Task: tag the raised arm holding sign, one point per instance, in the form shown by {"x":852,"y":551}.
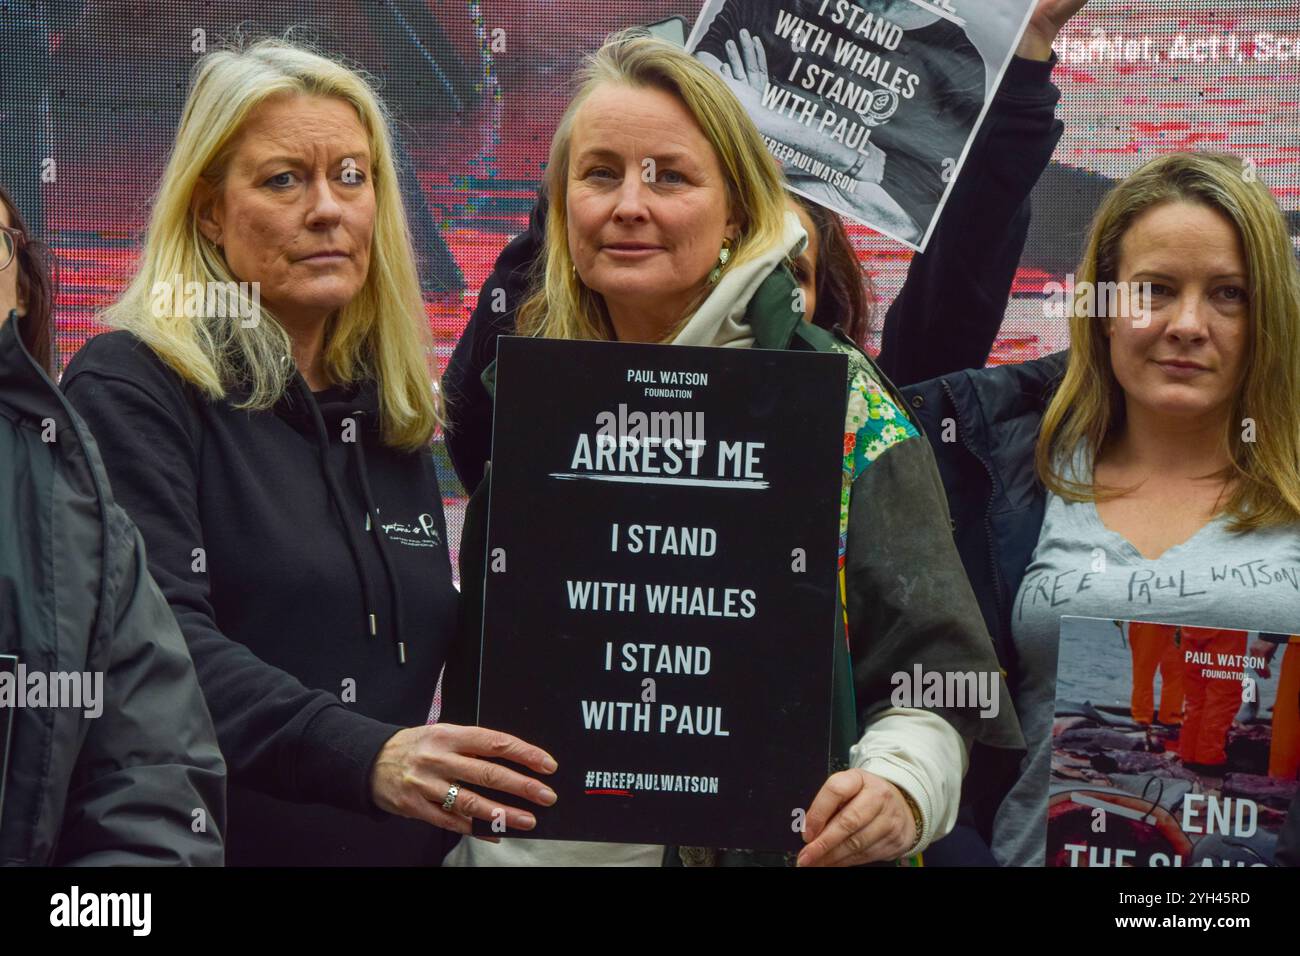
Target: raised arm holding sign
{"x":870,"y":106}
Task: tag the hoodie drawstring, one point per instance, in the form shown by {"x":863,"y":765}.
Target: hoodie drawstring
{"x":323,"y":447}
{"x":372,"y":512}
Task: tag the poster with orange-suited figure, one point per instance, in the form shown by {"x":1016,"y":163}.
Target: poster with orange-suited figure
{"x":1172,"y":745}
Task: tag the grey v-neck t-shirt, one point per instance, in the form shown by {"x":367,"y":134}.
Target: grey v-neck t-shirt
{"x":1216,"y":578}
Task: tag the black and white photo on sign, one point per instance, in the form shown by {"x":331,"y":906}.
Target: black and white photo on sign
{"x":869,"y":105}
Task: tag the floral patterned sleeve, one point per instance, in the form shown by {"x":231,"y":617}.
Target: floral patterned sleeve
{"x":906,"y":596}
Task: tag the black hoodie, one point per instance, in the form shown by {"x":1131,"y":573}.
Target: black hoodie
{"x":307,"y":564}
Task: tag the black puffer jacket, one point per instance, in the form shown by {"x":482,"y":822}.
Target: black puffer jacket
{"x":983,"y":425}
{"x":123,"y":787}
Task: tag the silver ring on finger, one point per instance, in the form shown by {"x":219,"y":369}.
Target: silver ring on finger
{"x":449,"y":800}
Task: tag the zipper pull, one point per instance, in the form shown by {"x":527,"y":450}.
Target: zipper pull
{"x":372,"y":625}
{"x":401,"y":652}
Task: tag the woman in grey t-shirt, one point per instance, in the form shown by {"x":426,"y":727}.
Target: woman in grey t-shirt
{"x":1163,"y":446}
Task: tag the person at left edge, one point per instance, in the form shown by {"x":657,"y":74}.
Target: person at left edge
{"x":134,"y":776}
{"x":265,"y":413}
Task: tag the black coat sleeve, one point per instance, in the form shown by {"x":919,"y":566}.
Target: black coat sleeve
{"x":277,"y":735}
{"x":950,"y":308}
{"x":469,"y":406}
{"x":149,"y":786}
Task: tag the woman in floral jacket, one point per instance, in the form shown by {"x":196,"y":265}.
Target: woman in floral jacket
{"x":626,"y":260}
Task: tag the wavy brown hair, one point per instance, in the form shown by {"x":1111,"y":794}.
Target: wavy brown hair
{"x":844,"y":288}
{"x":33,"y":260}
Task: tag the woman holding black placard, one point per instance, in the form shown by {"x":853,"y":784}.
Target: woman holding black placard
{"x":695,"y":255}
{"x":945,"y":317}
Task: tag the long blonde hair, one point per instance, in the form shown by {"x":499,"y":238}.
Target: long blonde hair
{"x":1089,"y":403}
{"x":381,"y":333}
{"x":562,"y":307}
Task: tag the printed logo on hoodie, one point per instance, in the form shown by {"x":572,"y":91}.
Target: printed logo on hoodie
{"x":423,"y":533}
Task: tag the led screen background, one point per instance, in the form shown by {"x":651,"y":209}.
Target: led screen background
{"x":92,"y":93}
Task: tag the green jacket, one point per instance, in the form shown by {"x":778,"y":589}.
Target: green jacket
{"x":907,"y":597}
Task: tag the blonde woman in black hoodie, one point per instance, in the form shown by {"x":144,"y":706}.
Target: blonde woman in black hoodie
{"x":265,"y":414}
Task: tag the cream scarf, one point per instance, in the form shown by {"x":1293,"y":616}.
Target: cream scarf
{"x":720,"y":320}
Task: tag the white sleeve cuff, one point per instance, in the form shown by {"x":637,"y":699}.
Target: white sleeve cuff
{"x":922,"y":754}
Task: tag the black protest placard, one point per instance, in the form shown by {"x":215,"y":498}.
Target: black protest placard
{"x":659,"y":602}
{"x":870,"y":106}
